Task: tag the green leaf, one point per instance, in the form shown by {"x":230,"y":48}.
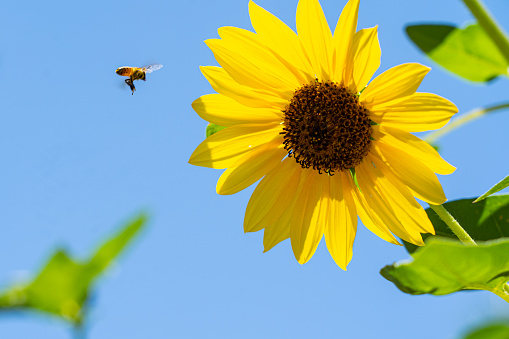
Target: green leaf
{"x":494,"y":331}
{"x":468,"y":52}
{"x":112,"y":247}
{"x":485,"y":220}
{"x":429,"y":37}
{"x":213,"y":128}
{"x":445,"y":266}
{"x":63,"y":285}
{"x":497,"y":188}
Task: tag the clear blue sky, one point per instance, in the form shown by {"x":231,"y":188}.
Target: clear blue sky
{"x":81,"y":155}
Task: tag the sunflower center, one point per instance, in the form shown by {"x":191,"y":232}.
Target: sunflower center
{"x":326,"y":128}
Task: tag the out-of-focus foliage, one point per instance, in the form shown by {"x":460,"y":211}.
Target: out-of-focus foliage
{"x":63,"y":285}
{"x":494,"y":331}
{"x":497,"y":188}
{"x":483,"y":221}
{"x":445,"y":266}
{"x":468,"y":52}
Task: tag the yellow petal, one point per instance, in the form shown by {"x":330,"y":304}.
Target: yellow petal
{"x":245,"y":72}
{"x":363,"y":59}
{"x":396,"y":82}
{"x":408,"y":211}
{"x":251,"y":47}
{"x":223,"y":84}
{"x":272,"y":196}
{"x":278,"y":231}
{"x":224,"y":111}
{"x":223,"y":148}
{"x":345,"y":29}
{"x":281,"y":40}
{"x":368,"y":217}
{"x":373,"y":187}
{"x":342,"y":224}
{"x":415,"y":113}
{"x":316,"y":37}
{"x":251,"y":167}
{"x":311,"y":212}
{"x":413,"y":146}
{"x":413,"y":173}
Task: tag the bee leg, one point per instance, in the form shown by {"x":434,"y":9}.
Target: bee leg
{"x":130,"y":83}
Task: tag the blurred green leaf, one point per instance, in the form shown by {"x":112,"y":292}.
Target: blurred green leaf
{"x":494,"y":331}
{"x":213,"y":128}
{"x":428,"y":37}
{"x":445,"y":266}
{"x":63,"y":285}
{"x":468,"y":52}
{"x":497,"y":188}
{"x":485,"y":220}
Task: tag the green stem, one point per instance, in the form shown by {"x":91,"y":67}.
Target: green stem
{"x":467,"y":117}
{"x":489,"y":24}
{"x":454,"y":225}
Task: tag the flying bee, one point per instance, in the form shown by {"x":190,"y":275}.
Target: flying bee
{"x":136,"y":73}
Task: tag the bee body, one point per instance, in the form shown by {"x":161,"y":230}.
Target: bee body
{"x":136,"y":73}
{"x":139,"y":74}
{"x":125,"y":71}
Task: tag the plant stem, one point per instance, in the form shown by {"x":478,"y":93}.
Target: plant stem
{"x":467,"y":117}
{"x":454,"y":225}
{"x":489,"y":24}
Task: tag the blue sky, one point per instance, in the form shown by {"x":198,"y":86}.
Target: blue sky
{"x":81,"y":156}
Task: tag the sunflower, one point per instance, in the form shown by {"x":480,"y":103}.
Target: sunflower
{"x":328,"y":147}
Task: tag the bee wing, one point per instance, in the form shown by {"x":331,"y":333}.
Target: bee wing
{"x":151,"y":68}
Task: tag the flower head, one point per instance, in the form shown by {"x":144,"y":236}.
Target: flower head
{"x":328,"y":146}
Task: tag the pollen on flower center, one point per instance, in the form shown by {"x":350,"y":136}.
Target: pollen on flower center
{"x":326,"y":128}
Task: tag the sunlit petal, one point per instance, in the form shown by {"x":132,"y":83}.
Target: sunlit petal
{"x":372,"y":185}
{"x":224,"y":111}
{"x":251,"y":167}
{"x":413,"y":146}
{"x":414,"y":113}
{"x":343,"y":34}
{"x":369,"y":216}
{"x":272,"y":196}
{"x":244,"y":72}
{"x":281,"y":40}
{"x":316,"y":37}
{"x":279,"y":230}
{"x":397,"y":82}
{"x":409,"y":211}
{"x":225,"y":147}
{"x":311,"y":212}
{"x":342,"y":222}
{"x":223,"y":84}
{"x":363,"y":59}
{"x":413,"y":173}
